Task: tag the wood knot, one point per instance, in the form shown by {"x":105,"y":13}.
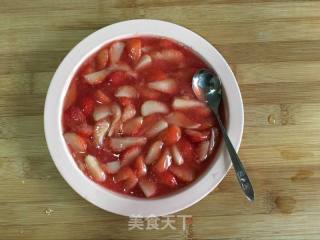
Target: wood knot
{"x":285,"y":204}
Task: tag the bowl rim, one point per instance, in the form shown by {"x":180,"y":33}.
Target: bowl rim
{"x":119,"y":203}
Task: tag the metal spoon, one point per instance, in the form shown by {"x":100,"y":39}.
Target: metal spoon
{"x":207,"y":87}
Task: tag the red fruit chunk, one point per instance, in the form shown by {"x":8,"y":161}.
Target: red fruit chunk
{"x":87,"y":105}
{"x":102,"y":97}
{"x":134,"y":49}
{"x":150,"y":93}
{"x":171,"y":135}
{"x":148,"y":187}
{"x":123,"y":174}
{"x":140,"y":167}
{"x":196,"y":136}
{"x":167,"y":179}
{"x":129,"y":155}
{"x":117,"y":78}
{"x":84,"y":130}
{"x":102,"y":59}
{"x":186,"y":149}
{"x":74,"y":117}
{"x":163,"y":163}
{"x":184,"y":173}
{"x":125,"y":101}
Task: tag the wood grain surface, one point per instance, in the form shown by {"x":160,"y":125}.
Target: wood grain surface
{"x":273,"y":47}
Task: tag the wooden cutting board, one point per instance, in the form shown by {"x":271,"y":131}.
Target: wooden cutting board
{"x":273,"y":47}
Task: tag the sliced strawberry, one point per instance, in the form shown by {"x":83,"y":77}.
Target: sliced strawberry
{"x":102,"y":58}
{"x":118,"y":144}
{"x":184,"y":173}
{"x":148,"y":122}
{"x":144,"y":62}
{"x":166,"y":86}
{"x":149,"y":107}
{"x":170,"y":55}
{"x":203,"y":112}
{"x":129,"y":155}
{"x":130,"y":183}
{"x":156,"y":128}
{"x":87,"y":105}
{"x":94,"y":169}
{"x":177,"y":156}
{"x":140,"y":167}
{"x":97,"y":77}
{"x":185,"y":148}
{"x":100,"y":130}
{"x":156,"y":75}
{"x":71,"y":95}
{"x":84,"y":130}
{"x":115,"y":51}
{"x":150,"y":93}
{"x":112,"y":167}
{"x":128,"y":112}
{"x":171,"y":135}
{"x":154,"y":152}
{"x":132,"y":126}
{"x":126,"y":91}
{"x":167,"y":179}
{"x":102,"y":97}
{"x":125,"y":68}
{"x":164,"y":162}
{"x":181,"y":120}
{"x":165,"y":43}
{"x":116,"y":111}
{"x":73,"y":118}
{"x":101,"y":112}
{"x":76,"y":143}
{"x":196,"y":136}
{"x":148,"y":187}
{"x":88,"y":68}
{"x":134,"y":49}
{"x":117,"y":78}
{"x":202,"y":151}
{"x":184,"y":104}
{"x":123,"y":174}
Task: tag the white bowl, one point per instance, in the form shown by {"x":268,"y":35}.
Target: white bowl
{"x":118,"y":203}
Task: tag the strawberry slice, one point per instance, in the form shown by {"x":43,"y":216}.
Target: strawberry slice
{"x":128,"y":112}
{"x":150,"y":93}
{"x":123,"y":174}
{"x":126,"y":91}
{"x":184,"y":173}
{"x":130,"y":183}
{"x":165,"y":43}
{"x":171,"y":135}
{"x":184,"y":104}
{"x":181,"y":120}
{"x":171,"y":55}
{"x":156,"y":128}
{"x":148,"y":122}
{"x":144,"y":62}
{"x":148,"y":187}
{"x":87,"y":105}
{"x":149,"y":107}
{"x":132,"y":126}
{"x":116,"y":50}
{"x":97,"y":77}
{"x":186,"y":149}
{"x":167,"y":179}
{"x":84,"y":130}
{"x":71,"y":95}
{"x":196,"y":136}
{"x":156,"y":74}
{"x":102,"y":58}
{"x":112,"y":167}
{"x":124,"y":101}
{"x":140,"y":167}
{"x":101,"y":112}
{"x":116,"y":111}
{"x":118,"y":144}
{"x":134,"y":49}
{"x":177,"y":156}
{"x":154,"y":152}
{"x":75,"y":142}
{"x":163,"y":163}
{"x":166,"y":86}
{"x":94,"y":169}
{"x":100,"y":130}
{"x":74,"y":117}
{"x":101,"y":97}
{"x":202,"y":151}
{"x":129,"y":155}
{"x":117,"y":78}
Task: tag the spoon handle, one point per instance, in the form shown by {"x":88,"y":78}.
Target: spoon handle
{"x":237,"y":165}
